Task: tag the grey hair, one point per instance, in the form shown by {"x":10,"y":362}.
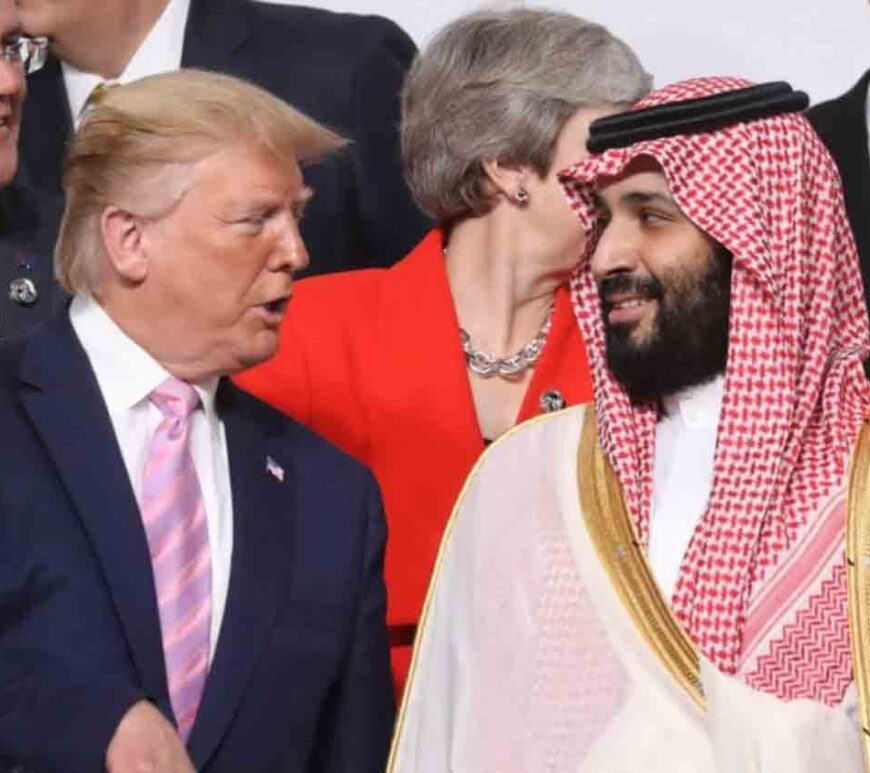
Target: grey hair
{"x":501,"y":85}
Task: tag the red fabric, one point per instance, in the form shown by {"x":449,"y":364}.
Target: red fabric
{"x":372,"y":360}
{"x":795,"y":393}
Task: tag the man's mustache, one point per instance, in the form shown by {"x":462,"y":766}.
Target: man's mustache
{"x":625,"y":283}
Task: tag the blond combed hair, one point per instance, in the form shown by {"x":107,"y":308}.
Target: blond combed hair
{"x":137,"y":144}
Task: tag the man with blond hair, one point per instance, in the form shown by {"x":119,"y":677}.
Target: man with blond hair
{"x":189,"y":580}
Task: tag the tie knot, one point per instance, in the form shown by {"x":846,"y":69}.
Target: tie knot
{"x":175,"y":398}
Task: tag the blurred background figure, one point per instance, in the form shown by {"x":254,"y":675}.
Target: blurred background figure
{"x":344,"y":70}
{"x":843,"y":125}
{"x":27,"y":219}
{"x":414,"y":369}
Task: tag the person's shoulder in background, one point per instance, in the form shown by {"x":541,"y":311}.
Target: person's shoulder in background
{"x":29,"y":294}
{"x":347,"y":71}
{"x":326,"y":335}
{"x":826,"y":117}
{"x":327,"y":52}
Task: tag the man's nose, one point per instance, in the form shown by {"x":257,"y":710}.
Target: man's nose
{"x":289,"y":252}
{"x":12,"y":81}
{"x":617,"y":250}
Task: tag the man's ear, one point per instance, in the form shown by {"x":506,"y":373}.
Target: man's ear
{"x":507,"y":179}
{"x":124,"y":242}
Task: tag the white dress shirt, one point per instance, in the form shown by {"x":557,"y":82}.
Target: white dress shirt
{"x":683,"y":475}
{"x":126,"y":375}
{"x":160,"y":52}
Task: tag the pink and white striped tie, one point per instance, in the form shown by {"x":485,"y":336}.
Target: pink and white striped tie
{"x":174,"y":517}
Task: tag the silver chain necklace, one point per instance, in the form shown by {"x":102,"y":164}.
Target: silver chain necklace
{"x":511,"y":366}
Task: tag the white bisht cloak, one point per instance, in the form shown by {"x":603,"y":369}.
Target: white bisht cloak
{"x":527,"y":659}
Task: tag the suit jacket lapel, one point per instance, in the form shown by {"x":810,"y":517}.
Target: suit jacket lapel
{"x":46,"y":128}
{"x":261,"y":544}
{"x":62,"y":398}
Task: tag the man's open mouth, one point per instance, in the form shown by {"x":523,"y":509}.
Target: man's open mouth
{"x":278,"y":306}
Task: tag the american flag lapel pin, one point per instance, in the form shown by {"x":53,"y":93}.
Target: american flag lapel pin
{"x":274,"y":469}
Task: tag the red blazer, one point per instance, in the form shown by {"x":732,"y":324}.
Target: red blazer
{"x":372,"y":360}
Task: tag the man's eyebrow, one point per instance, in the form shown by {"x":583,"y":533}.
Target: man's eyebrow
{"x":646,"y":197}
{"x":306,"y":194}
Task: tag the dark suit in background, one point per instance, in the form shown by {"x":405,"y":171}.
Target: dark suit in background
{"x":300,"y":679}
{"x":344,"y":70}
{"x":28,"y":227}
{"x":842,"y":124}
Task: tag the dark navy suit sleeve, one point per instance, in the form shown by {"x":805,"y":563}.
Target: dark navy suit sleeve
{"x":356,"y":728}
{"x":52,"y":719}
{"x":391,"y":222}
{"x":54,"y":716}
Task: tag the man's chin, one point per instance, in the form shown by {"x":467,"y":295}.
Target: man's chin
{"x":633,"y":337}
{"x":258,"y":351}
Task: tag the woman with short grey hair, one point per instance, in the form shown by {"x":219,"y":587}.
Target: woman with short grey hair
{"x":413,"y":369}
{"x":500,"y":87}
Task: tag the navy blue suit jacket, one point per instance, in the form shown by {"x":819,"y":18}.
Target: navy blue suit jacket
{"x":28,"y":228}
{"x":300,"y":678}
{"x":345,"y":70}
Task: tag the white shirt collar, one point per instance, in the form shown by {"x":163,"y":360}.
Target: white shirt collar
{"x":697,"y":406}
{"x":160,"y":52}
{"x":126,"y":373}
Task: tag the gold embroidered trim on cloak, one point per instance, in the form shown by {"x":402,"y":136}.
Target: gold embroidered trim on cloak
{"x":612,"y":533}
{"x":858,"y":578}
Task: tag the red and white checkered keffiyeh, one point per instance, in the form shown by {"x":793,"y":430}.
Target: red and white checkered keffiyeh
{"x":795,"y":392}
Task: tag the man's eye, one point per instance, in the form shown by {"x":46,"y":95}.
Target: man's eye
{"x":299,"y":211}
{"x":257,"y":219}
{"x":651,"y":217}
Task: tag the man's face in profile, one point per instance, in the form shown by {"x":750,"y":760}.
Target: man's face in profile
{"x":664,"y":287}
{"x":12,"y":89}
{"x":221,"y":261}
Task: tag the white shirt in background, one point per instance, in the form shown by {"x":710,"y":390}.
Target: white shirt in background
{"x":160,"y":52}
{"x":126,"y":375}
{"x":683,"y":475}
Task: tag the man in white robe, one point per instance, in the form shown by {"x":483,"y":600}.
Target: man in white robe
{"x":660,"y":582}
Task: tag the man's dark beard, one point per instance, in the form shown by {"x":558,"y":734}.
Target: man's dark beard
{"x":689,"y":341}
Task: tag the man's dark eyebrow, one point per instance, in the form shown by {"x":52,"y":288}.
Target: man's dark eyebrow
{"x":646,"y":197}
